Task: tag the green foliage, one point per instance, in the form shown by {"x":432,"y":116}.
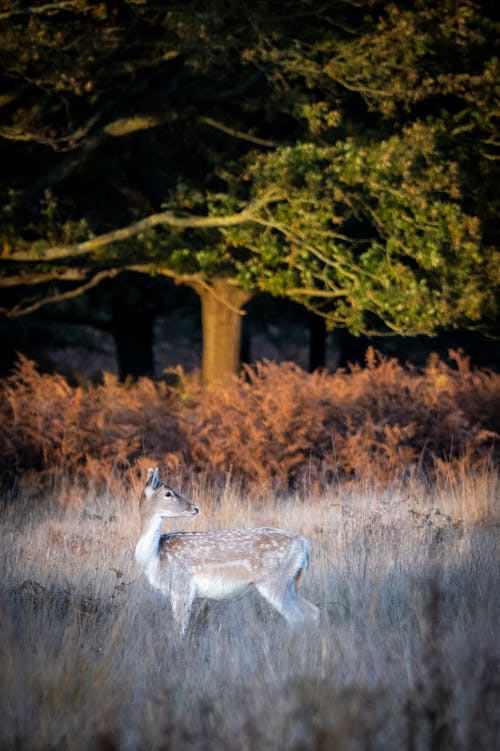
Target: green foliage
{"x":369,"y":230}
{"x":371,"y":129}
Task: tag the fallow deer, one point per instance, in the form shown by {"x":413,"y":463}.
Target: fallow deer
{"x":218,"y":565}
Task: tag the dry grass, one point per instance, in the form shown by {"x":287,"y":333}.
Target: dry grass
{"x":407,"y":657}
{"x":279,"y":429}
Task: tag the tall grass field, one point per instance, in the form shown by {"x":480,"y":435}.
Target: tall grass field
{"x":406,"y":658}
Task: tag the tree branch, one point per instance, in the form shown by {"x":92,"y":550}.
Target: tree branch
{"x":238,"y":133}
{"x":332,"y":261}
{"x":19,"y":310}
{"x":195,"y":281}
{"x":125,"y":125}
{"x":39,"y":9}
{"x":165,"y":218}
{"x":9,"y":97}
{"x":31,"y":279}
{"x":116,"y":129}
{"x":314,"y":292}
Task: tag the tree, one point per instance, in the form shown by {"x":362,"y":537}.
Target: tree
{"x":342,"y":158}
{"x":106,"y":121}
{"x":370,"y":234}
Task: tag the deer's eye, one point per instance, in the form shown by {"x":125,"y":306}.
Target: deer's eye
{"x":168,"y":494}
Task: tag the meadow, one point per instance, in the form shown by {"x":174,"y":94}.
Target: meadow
{"x":407,"y":655}
{"x":390,"y":472}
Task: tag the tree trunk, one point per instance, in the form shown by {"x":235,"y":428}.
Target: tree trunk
{"x":221,"y":318}
{"x":132,"y":331}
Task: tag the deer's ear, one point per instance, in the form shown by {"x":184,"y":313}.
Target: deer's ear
{"x":152,"y":478}
{"x":151,"y":481}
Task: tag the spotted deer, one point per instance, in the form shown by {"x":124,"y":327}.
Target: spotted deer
{"x":218,"y":565}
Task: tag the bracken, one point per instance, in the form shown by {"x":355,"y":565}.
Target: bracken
{"x":275,"y":428}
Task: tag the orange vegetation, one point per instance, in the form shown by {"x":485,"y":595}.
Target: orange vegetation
{"x":276,"y":428}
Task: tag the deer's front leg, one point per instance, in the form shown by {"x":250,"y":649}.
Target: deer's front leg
{"x":181,"y":600}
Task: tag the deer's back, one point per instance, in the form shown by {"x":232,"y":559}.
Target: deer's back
{"x":241,"y":553}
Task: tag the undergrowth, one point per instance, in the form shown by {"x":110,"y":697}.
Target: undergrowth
{"x":275,"y":429}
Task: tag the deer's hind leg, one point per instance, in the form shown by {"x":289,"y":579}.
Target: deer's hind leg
{"x":283,"y":596}
{"x":308,"y":610}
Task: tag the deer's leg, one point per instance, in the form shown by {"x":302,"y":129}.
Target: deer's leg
{"x":284,"y":598}
{"x":309,"y":611}
{"x":181,"y":601}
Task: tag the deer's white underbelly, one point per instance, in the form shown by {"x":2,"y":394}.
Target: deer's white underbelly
{"x":217,"y":587}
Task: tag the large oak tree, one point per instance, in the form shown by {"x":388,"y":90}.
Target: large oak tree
{"x":343,"y":155}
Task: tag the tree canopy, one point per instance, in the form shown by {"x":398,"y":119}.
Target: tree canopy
{"x":344,"y":155}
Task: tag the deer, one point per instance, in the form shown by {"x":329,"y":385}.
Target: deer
{"x":218,"y":565}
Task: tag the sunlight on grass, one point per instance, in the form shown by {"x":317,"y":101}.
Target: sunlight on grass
{"x":406,"y":657}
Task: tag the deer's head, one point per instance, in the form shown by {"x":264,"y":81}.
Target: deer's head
{"x":159,"y":499}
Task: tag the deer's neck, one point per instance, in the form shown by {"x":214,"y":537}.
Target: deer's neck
{"x":146,"y":550}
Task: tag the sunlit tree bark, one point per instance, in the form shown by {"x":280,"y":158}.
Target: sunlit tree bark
{"x":221,"y":314}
